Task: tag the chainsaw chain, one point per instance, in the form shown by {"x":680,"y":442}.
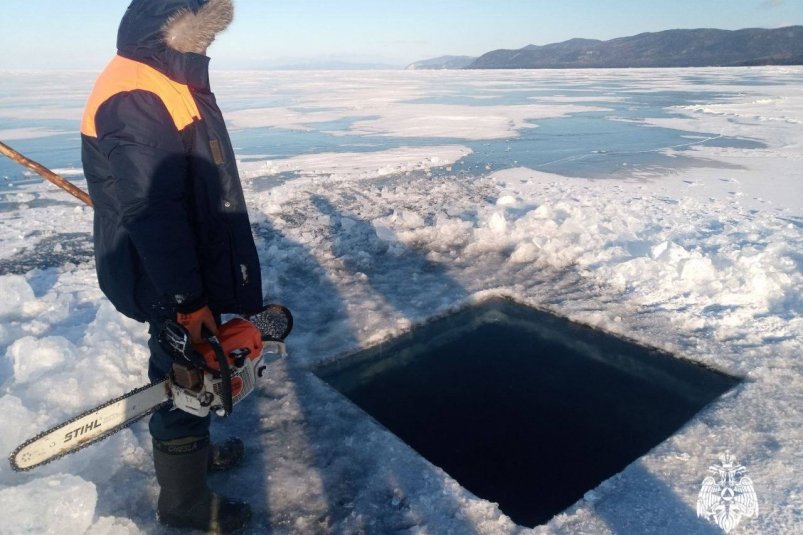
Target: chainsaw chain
{"x":13,"y":457}
{"x":275,"y":322}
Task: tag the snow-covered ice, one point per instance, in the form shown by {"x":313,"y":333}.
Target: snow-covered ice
{"x":67,"y":504}
{"x":385,"y":105}
{"x":703,"y":260}
{"x":351,"y":166}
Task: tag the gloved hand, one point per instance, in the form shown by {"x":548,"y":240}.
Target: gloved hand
{"x":195,"y":322}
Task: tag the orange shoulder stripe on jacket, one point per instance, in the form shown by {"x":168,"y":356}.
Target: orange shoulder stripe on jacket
{"x":124,"y":74}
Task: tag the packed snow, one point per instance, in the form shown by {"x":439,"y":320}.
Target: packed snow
{"x":703,"y":260}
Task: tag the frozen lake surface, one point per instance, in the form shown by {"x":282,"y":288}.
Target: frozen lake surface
{"x":665,"y":206}
{"x":564,"y":122}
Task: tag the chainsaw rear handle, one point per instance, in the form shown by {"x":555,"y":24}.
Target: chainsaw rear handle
{"x":175,"y":340}
{"x":225,"y":375}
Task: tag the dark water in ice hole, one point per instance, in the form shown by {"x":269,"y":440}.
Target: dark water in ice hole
{"x":524,"y":408}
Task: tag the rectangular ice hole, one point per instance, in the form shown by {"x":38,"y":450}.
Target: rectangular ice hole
{"x":524,"y":408}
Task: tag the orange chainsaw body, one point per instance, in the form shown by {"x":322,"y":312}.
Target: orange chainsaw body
{"x":197,"y":391}
{"x":235,"y":337}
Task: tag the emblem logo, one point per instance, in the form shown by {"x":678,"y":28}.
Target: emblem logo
{"x":728,"y":496}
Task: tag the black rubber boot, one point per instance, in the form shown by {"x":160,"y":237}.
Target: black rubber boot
{"x":185,"y":501}
{"x":226,"y":455}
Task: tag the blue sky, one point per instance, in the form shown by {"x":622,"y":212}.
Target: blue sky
{"x":80,"y":34}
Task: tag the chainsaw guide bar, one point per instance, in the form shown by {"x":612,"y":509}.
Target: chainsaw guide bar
{"x":272,"y":325}
{"x":74,"y":434}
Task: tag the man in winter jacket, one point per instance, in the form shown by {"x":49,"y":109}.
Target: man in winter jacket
{"x":172,"y":235}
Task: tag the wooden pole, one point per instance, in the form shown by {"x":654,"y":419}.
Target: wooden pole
{"x":46,"y":173}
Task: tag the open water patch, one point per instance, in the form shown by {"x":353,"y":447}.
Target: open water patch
{"x":524,"y":408}
{"x":51,"y":252}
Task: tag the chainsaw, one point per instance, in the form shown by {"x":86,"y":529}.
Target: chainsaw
{"x":211,"y":376}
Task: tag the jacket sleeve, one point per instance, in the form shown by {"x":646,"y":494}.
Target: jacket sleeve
{"x":148,"y":162}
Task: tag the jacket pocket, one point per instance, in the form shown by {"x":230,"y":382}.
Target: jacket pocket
{"x":216,"y":149}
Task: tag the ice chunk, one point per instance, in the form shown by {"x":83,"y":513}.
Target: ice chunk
{"x":669,"y":252}
{"x":19,"y":424}
{"x":699,"y":270}
{"x":411,"y":219}
{"x":506,"y":200}
{"x":31,"y":358}
{"x":16,"y":294}
{"x":498,"y":223}
{"x":52,"y":505}
{"x":5,"y":335}
{"x":110,"y":525}
{"x":384,"y":233}
{"x":524,"y":253}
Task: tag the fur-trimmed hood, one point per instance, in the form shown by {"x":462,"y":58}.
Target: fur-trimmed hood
{"x":169,"y":35}
{"x":182,"y":25}
{"x":193,"y":31}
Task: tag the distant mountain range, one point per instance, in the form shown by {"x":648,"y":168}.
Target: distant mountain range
{"x":670,"y":48}
{"x":443,"y":62}
{"x":330,"y":64}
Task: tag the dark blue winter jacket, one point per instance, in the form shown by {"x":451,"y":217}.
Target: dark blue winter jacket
{"x":171,"y":229}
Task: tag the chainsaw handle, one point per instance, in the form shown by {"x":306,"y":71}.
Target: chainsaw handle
{"x":174,"y":338}
{"x":225,"y":375}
